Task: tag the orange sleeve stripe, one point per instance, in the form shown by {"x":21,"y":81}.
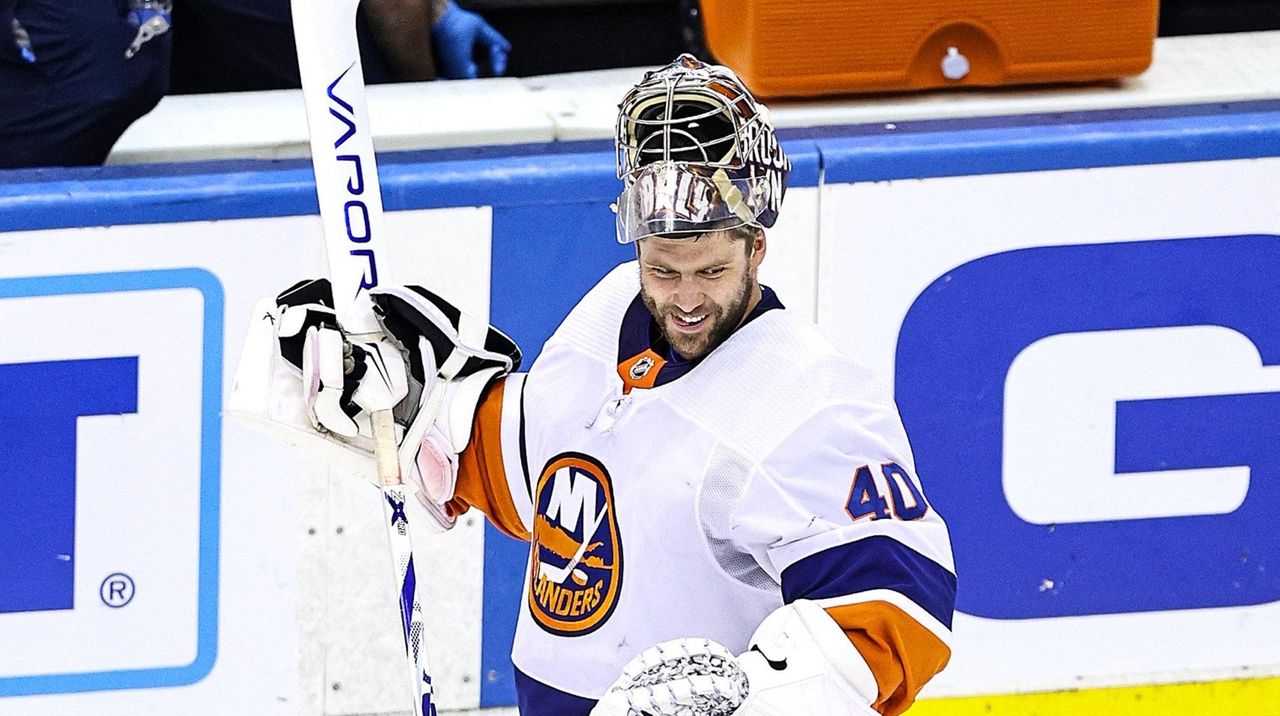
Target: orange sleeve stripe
{"x":482,"y":478}
{"x":902,"y":653}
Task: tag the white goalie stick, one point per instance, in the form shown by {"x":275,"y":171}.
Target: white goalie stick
{"x":351,"y":212}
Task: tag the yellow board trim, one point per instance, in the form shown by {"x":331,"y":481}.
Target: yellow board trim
{"x":1258,"y":697}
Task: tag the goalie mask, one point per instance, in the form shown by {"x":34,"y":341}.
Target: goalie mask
{"x":696,"y":153}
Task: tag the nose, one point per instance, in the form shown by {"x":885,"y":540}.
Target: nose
{"x":687,"y":295}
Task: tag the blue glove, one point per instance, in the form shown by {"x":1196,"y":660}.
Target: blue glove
{"x":22,"y":41}
{"x":456,"y":34}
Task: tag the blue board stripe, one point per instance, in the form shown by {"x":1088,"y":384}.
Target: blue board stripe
{"x":1040,"y":119}
{"x":65,"y":198}
{"x":891,"y":155}
{"x":50,"y":199}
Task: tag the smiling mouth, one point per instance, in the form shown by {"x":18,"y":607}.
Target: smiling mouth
{"x":691,"y":323}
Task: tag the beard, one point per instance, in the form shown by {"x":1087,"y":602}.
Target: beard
{"x":721,"y":321}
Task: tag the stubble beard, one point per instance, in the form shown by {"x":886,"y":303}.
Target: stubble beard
{"x":724,"y":321}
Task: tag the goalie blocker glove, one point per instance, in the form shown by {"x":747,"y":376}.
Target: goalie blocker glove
{"x":302,"y":378}
{"x":454,"y":356}
{"x":799,"y":662}
{"x":334,"y":367}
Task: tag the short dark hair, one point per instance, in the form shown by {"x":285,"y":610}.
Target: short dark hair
{"x":748,"y":232}
{"x":745,"y":233}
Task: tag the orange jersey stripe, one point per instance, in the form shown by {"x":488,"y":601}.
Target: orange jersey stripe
{"x":482,"y":479}
{"x":902,"y":653}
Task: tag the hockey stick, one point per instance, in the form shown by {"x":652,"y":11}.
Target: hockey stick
{"x":558,"y":575}
{"x":350,"y":200}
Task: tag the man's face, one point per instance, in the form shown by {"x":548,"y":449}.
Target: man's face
{"x":699,"y":290}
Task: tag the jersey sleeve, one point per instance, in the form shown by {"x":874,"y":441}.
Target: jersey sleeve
{"x":491,"y":473}
{"x":837,"y":514}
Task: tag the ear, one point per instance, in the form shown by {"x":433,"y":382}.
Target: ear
{"x":758,"y":248}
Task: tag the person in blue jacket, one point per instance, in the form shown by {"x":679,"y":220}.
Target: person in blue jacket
{"x":74,"y":76}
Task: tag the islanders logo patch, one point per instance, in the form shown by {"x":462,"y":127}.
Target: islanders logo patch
{"x":576,"y":569}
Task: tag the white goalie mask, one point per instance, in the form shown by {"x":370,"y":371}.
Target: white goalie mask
{"x":696,"y":153}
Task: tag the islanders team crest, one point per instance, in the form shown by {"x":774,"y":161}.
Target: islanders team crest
{"x":576,"y":568}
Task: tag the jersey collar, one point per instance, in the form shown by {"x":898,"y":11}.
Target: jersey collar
{"x":647,"y":360}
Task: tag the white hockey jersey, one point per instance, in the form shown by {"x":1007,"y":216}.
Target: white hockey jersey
{"x":774,"y":469}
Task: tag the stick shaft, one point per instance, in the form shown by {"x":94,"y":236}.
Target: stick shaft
{"x":350,"y":200}
{"x":347,"y":186}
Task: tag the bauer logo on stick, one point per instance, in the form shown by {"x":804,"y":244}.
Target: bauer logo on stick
{"x":577,"y":554}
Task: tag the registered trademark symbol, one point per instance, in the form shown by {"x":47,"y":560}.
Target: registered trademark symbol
{"x":116,"y":590}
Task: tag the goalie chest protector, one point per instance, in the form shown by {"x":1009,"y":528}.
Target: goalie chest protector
{"x":799,"y":48}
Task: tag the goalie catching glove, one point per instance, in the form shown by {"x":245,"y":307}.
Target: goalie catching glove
{"x":799,"y":662}
{"x":302,"y":377}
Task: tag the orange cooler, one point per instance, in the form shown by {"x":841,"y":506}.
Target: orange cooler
{"x":799,"y":48}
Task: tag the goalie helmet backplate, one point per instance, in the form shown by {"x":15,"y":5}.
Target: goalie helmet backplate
{"x":695,"y":152}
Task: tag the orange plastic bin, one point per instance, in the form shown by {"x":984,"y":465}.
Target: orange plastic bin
{"x":799,"y":48}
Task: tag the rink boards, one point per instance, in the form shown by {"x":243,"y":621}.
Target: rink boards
{"x":1077,"y":313}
